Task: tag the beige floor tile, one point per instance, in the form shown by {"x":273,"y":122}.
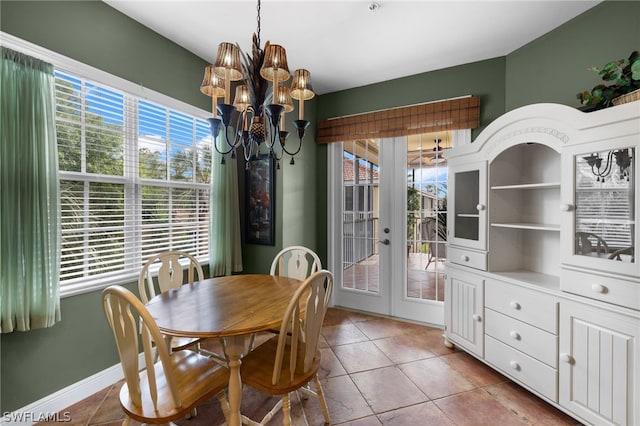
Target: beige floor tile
{"x":436,"y":378}
{"x":361,"y":356}
{"x":473,"y":370}
{"x":477,"y":408}
{"x":404,"y":348}
{"x":387,"y":389}
{"x":523,"y":404}
{"x":343,"y":334}
{"x":344,"y":400}
{"x":426,"y":413}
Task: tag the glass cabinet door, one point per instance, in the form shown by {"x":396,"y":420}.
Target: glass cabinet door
{"x":468,"y":206}
{"x":604,"y":205}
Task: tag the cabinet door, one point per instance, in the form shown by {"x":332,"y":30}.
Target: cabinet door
{"x":599,"y":361}
{"x":599,"y":224}
{"x":468,"y":205}
{"x":464,"y":306}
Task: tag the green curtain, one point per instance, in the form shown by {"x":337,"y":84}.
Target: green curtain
{"x":225,"y":245}
{"x":29,"y":195}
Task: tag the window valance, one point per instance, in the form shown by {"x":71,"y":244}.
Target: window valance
{"x":450,"y":114}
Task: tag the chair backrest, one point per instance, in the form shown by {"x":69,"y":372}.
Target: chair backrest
{"x":130,"y":320}
{"x":170,"y":267}
{"x":296,"y":262}
{"x":303,"y":333}
{"x":588,"y":242}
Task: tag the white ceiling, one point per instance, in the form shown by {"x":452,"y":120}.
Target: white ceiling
{"x":344,"y":45}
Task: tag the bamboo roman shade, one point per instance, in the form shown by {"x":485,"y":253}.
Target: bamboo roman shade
{"x":451,"y":114}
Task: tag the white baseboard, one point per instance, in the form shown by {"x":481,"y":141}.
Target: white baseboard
{"x":49,"y":406}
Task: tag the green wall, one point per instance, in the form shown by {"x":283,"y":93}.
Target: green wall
{"x":37,"y":363}
{"x":551,"y":69}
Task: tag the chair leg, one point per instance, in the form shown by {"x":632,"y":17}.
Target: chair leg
{"x":286,"y":410}
{"x":224,"y":405}
{"x":323,"y":402}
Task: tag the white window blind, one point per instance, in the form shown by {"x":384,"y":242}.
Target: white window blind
{"x":134,"y":178}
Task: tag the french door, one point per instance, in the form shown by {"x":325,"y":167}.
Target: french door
{"x":387,"y":228}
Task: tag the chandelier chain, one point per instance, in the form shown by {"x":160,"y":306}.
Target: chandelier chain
{"x":258,"y":21}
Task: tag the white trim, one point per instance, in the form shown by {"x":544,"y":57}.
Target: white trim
{"x":86,"y":71}
{"x":72,"y":394}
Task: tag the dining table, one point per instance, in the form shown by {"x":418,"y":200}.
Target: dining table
{"x":231,"y":308}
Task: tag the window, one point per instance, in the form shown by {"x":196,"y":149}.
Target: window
{"x":134,"y":179}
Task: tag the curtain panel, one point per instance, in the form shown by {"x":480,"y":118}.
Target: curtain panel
{"x":451,"y":114}
{"x":29,"y":193}
{"x":225,"y":244}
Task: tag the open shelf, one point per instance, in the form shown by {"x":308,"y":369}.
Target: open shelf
{"x":544,"y":185}
{"x":532,"y":226}
{"x":531,"y":278}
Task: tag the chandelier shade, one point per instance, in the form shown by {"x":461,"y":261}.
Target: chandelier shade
{"x":275,"y":67}
{"x":283,"y":97}
{"x":227,"y":65}
{"x":301,"y":85}
{"x":212,"y":85}
{"x":255,"y":120}
{"x":242,"y":100}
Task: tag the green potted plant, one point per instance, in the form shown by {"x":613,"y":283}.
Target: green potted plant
{"x":625,"y":75}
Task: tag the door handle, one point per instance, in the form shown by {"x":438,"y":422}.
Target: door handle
{"x":386,"y":241}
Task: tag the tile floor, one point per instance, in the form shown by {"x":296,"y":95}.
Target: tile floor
{"x":378,"y":371}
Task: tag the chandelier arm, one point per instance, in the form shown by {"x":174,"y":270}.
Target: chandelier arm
{"x":296,"y":151}
{"x":607,"y":166}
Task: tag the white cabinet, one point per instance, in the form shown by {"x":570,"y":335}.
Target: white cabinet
{"x":599,"y":364}
{"x":546,"y":288}
{"x":464,"y":311}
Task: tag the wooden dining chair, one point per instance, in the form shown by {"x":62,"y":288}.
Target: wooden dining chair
{"x":162,"y":391}
{"x":297,"y":262}
{"x":168,"y":270}
{"x":588,"y":243}
{"x":290,"y":360}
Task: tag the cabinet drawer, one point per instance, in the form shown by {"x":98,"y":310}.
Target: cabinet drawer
{"x":534,"y":342}
{"x":466,"y":257}
{"x":607,"y":289}
{"x":537,"y":309}
{"x":533,"y":373}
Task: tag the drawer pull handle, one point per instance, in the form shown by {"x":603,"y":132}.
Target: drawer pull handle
{"x":566,"y":207}
{"x":564,"y":357}
{"x":480,"y":207}
{"x":476,"y":318}
{"x":515,"y":335}
{"x":514,"y":305}
{"x":515,"y":365}
{"x":464,"y":258}
{"x":598,"y":288}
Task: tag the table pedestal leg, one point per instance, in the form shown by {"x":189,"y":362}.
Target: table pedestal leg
{"x":235,"y":350}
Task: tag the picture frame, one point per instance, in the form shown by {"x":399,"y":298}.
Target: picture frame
{"x":259,"y":201}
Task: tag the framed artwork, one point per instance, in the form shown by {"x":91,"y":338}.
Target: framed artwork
{"x":259,"y":188}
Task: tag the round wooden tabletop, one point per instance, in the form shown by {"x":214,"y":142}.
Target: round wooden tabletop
{"x":225,"y":306}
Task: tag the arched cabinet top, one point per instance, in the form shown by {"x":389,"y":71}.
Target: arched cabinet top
{"x":550,"y":124}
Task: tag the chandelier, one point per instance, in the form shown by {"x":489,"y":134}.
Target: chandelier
{"x":622,"y":160}
{"x":257,"y":116}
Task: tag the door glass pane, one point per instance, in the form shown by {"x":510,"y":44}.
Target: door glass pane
{"x":360,"y":173}
{"x":605,"y":199}
{"x":426,"y":216}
